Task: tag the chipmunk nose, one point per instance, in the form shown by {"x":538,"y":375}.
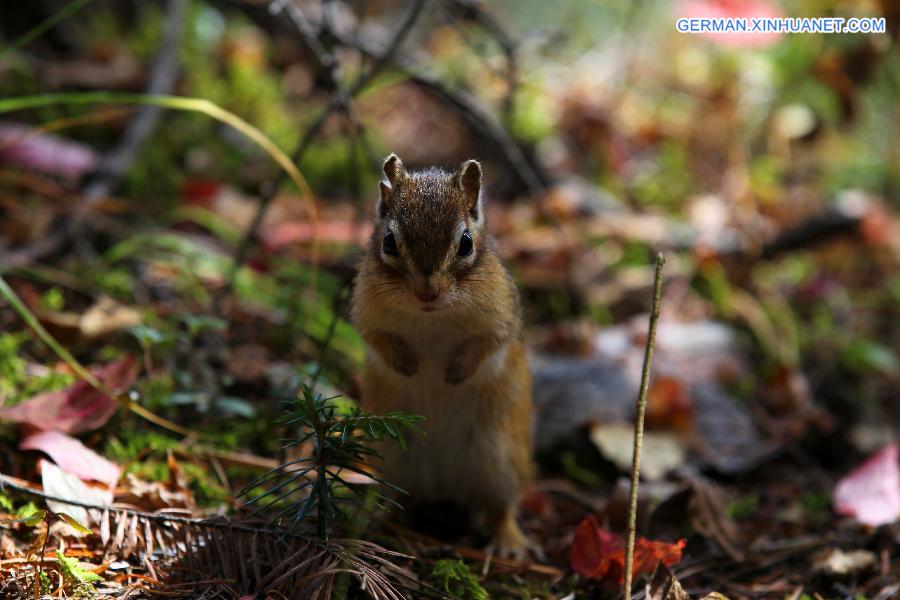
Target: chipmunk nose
{"x":427,"y":296}
{"x":426,"y":289}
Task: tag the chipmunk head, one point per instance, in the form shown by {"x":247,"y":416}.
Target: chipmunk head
{"x":429,"y":232}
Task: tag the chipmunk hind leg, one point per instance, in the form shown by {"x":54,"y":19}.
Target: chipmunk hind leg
{"x":507,"y":538}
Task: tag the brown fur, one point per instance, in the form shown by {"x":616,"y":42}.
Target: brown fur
{"x":463,"y":365}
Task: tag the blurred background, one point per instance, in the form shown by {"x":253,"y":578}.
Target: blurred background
{"x":765,"y":167}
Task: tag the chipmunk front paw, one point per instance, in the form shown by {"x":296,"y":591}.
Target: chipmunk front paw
{"x":458,"y":370}
{"x":404,"y":359}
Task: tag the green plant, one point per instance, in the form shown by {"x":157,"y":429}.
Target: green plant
{"x":338,"y":442}
{"x":74,"y":575}
{"x":453,"y":576}
{"x":743,"y":507}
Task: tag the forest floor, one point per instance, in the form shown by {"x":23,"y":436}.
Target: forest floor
{"x":167,"y":321}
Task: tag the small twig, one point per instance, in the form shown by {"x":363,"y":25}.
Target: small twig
{"x":639,"y":427}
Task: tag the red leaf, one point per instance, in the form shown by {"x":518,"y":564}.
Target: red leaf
{"x":592,"y":548}
{"x":78,"y":408}
{"x":600,"y":554}
{"x":73,"y":456}
{"x":200,"y":191}
{"x":871,"y":492}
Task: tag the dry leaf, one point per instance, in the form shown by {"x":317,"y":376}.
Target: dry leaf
{"x":65,"y":485}
{"x":836,"y":562}
{"x":664,"y":586}
{"x":661,"y":452}
{"x":107,"y":316}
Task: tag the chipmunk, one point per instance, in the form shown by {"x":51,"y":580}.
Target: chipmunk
{"x":440,"y":316}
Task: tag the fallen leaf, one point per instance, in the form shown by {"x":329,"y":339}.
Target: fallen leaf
{"x":152,"y":496}
{"x":591,"y":548}
{"x":69,"y":487}
{"x":664,"y":586}
{"x":78,"y":408}
{"x":600,"y":554}
{"x":73,"y":457}
{"x":871,"y":492}
{"x":107,"y":316}
{"x":661,"y":451}
{"x":44,"y":152}
{"x":836,"y":562}
{"x":104,"y":317}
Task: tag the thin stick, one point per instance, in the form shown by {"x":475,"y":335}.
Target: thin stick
{"x":639,"y":427}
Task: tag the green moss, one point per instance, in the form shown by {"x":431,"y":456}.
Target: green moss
{"x":145,"y":453}
{"x":130,"y":445}
{"x":16,"y":384}
{"x":453,"y":577}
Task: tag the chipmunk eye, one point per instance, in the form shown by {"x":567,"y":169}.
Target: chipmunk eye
{"x":389,"y":244}
{"x":465,"y":244}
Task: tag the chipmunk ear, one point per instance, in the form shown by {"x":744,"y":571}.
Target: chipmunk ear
{"x":470,"y":182}
{"x":395,"y":172}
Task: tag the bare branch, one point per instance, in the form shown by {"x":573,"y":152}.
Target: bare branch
{"x":639,"y":427}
